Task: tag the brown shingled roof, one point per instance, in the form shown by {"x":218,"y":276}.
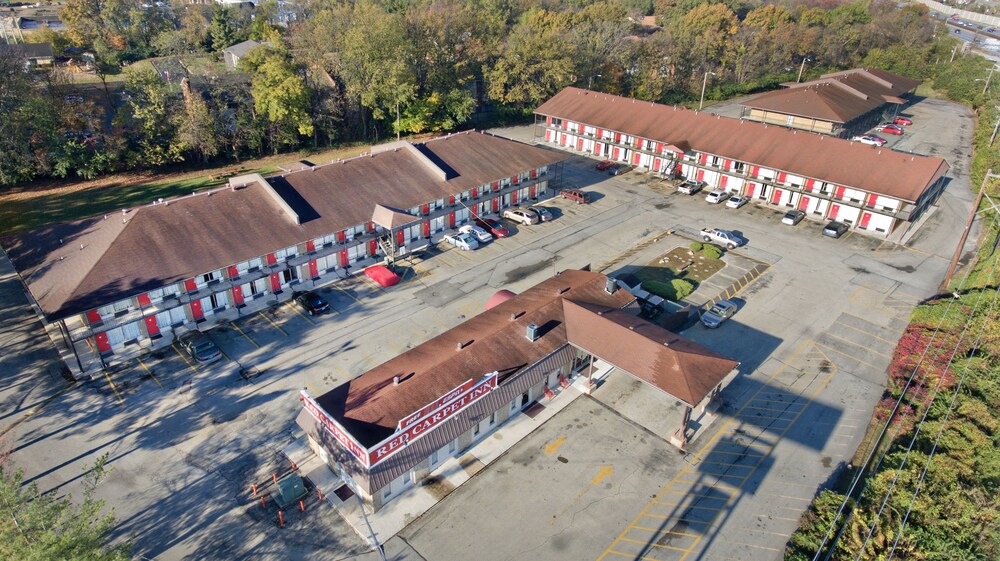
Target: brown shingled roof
{"x":838,"y":97}
{"x":161,"y":244}
{"x":678,"y":366}
{"x":882,"y":171}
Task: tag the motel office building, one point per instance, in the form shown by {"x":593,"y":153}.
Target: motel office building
{"x":393,"y":426}
{"x":122,"y":282}
{"x":875,"y":190}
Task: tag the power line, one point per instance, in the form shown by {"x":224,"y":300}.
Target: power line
{"x":923,"y":418}
{"x":944,"y":423}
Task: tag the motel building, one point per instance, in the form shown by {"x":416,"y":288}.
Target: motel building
{"x":122,"y":283}
{"x":874,"y":190}
{"x":393,"y":426}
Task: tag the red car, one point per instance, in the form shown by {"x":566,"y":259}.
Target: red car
{"x":902,"y":121}
{"x":493,"y":227}
{"x":604,"y":165}
{"x":889,"y":128}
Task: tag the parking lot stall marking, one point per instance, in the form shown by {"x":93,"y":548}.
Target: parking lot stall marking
{"x":858,"y":345}
{"x":656,"y":545}
{"x":296,"y":310}
{"x":243,"y":333}
{"x":150,"y":372}
{"x":670,"y":532}
{"x":184,"y":358}
{"x":859,"y":330}
{"x":851,"y":356}
{"x":707,"y":449}
{"x":275,"y":325}
{"x":113,"y":387}
{"x":632,"y":556}
{"x":334,"y":285}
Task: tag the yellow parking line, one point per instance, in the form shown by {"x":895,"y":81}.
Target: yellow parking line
{"x":184,"y":358}
{"x":243,"y":333}
{"x":859,"y":330}
{"x":114,"y":387}
{"x":858,"y":345}
{"x":334,"y":285}
{"x":344,"y":374}
{"x":269,"y":320}
{"x":371,"y":360}
{"x":653,"y":544}
{"x":849,"y":355}
{"x":296,"y":310}
{"x":150,"y":372}
{"x":313,"y":389}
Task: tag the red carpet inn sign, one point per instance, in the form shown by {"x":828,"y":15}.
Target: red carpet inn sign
{"x":409,"y":428}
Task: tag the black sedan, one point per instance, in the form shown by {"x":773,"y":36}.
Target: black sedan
{"x":312,"y":303}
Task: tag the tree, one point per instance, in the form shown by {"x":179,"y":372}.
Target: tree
{"x":196,"y":131}
{"x":44,"y":526}
{"x":150,"y":116}
{"x":222,"y":31}
{"x":535,"y":63}
{"x":280,"y":94}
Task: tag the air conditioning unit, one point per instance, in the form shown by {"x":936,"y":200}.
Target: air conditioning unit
{"x":531,"y":332}
{"x":610,"y":285}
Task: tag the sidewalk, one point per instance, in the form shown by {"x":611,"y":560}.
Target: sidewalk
{"x":446,"y":477}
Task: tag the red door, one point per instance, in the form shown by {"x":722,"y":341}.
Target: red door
{"x":272,"y":259}
{"x":872,"y":199}
{"x":840,"y":192}
{"x":399,"y":238}
{"x":151,"y":328}
{"x":776,"y":197}
{"x":809,"y":184}
{"x":425,"y":209}
{"x":427,"y":229}
{"x":656,"y":164}
{"x":373,"y":245}
{"x":103,"y":346}
{"x":233,"y":271}
{"x":579,"y":144}
{"x":700,"y":175}
{"x":722,"y":181}
{"x":196,"y":312}
{"x":782,"y":177}
{"x":531,"y":191}
{"x":496,"y":204}
{"x":615,"y":152}
{"x":866,"y":217}
{"x":310,"y":246}
{"x":451,"y":220}
{"x":275,"y":283}
{"x":93,"y":317}
{"x":513,"y":197}
{"x":344,"y":260}
{"x":754,"y":170}
{"x":703,"y":159}
{"x":548,"y":135}
{"x":750,"y":189}
{"x":598,"y":148}
{"x":804,"y":203}
{"x":144,"y":300}
{"x":190,"y":285}
{"x":237,"y":295}
{"x":834,"y":209}
{"x":548,"y":119}
{"x":562,"y":139}
{"x":341,"y":236}
{"x":314,"y":266}
{"x":635,"y":158}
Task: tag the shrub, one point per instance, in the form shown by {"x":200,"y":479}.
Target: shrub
{"x":676,"y":289}
{"x":696,"y":246}
{"x":710,"y":251}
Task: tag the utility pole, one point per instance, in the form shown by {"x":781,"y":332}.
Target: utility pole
{"x":397,"y":119}
{"x":953,"y":51}
{"x":703,"y":84}
{"x":988,"y":78}
{"x":801,"y":68}
{"x":968,"y":227}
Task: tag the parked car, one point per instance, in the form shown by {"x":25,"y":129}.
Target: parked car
{"x":835,"y":229}
{"x":900,"y":120}
{"x":465,"y":242}
{"x":870,"y":139}
{"x":544,"y":215}
{"x":737,"y":202}
{"x":721,"y":237}
{"x":718,"y":313}
{"x":793,"y":217}
{"x":889,"y":128}
{"x":312,"y":303}
{"x":482,"y":236}
{"x":201,"y":348}
{"x":574,"y":195}
{"x":521,"y":215}
{"x":604,"y":165}
{"x":617,"y":169}
{"x":690,"y":186}
{"x":493,"y":227}
{"x":717,"y":196}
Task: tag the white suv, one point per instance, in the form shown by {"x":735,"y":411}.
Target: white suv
{"x":521,"y":215}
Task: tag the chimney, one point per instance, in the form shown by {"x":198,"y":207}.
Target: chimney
{"x":395,"y":380}
{"x":531,"y":332}
{"x":610,"y":285}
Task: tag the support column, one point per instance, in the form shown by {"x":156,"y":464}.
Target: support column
{"x":679,"y":438}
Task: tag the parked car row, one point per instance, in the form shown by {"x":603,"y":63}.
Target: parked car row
{"x":893,"y":127}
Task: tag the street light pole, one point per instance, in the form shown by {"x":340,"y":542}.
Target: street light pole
{"x":988,"y":78}
{"x":591,"y":79}
{"x":801,"y":68}
{"x":704,"y":83}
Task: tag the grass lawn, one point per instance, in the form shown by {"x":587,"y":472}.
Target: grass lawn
{"x":27,"y":210}
{"x":678,"y":263}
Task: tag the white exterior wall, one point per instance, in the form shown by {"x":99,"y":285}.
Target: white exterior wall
{"x":733,"y":184}
{"x":855,"y":196}
{"x":849,"y":214}
{"x":795,"y":180}
{"x":812,"y":204}
{"x":880,"y":223}
{"x":882,"y":202}
{"x":711,"y":177}
{"x":755,"y":190}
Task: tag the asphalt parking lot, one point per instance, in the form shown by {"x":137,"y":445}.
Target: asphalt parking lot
{"x":813,"y":335}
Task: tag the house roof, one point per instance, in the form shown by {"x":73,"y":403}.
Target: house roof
{"x":156,"y":245}
{"x":661,"y":358}
{"x":838,"y":97}
{"x":29,"y":50}
{"x":240,"y":50}
{"x":876,"y":170}
{"x":572,"y":307}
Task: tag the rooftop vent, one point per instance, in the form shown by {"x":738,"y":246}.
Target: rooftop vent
{"x":395,"y":380}
{"x":531,"y":332}
{"x":459,"y":345}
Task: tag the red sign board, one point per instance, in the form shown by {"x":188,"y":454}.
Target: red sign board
{"x":425,"y":424}
{"x":333,"y":427}
{"x":432,"y":406}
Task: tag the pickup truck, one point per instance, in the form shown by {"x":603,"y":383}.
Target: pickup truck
{"x":721,"y":237}
{"x":690,"y":186}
